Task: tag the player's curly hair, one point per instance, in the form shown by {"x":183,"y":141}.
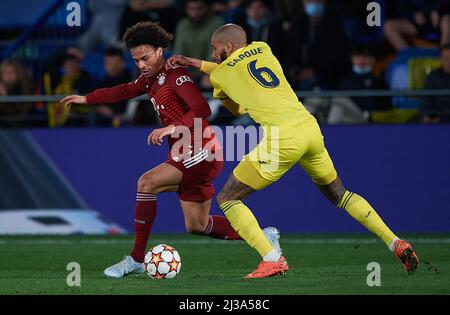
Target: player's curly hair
{"x":147,"y":33}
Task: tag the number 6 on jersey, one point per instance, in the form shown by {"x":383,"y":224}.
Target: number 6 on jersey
{"x":264,"y":76}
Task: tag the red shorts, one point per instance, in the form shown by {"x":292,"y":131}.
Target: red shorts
{"x":197,"y":182}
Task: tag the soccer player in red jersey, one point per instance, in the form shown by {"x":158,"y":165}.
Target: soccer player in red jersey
{"x":178,"y":102}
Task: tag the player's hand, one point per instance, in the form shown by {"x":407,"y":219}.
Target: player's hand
{"x":177,"y":61}
{"x":73,"y":99}
{"x":157,"y":135}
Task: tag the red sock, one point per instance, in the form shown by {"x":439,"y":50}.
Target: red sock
{"x":220,"y":227}
{"x":144,"y":214}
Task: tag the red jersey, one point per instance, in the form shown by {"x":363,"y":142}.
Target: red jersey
{"x":175,"y":98}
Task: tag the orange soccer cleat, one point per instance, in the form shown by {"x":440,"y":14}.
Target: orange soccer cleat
{"x":268,"y":269}
{"x":405,"y":253}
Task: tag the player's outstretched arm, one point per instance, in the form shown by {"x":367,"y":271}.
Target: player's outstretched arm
{"x":114,"y":94}
{"x":183,"y":61}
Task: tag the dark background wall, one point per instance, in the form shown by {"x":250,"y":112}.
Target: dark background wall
{"x":403,"y":171}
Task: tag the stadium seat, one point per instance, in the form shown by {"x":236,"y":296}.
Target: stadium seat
{"x":405,"y":55}
{"x":419,"y":69}
{"x":394,"y":116}
{"x":398,"y":73}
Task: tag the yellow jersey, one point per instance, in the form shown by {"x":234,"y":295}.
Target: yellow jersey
{"x":253,"y":78}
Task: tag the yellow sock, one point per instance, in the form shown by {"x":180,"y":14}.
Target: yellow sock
{"x":244,"y":222}
{"x":362,"y":211}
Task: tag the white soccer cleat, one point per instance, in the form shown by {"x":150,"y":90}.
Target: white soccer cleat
{"x":273,"y":235}
{"x":125,"y":267}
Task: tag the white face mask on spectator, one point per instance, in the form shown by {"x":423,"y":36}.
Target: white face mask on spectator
{"x":362,"y":70}
{"x":314,"y":9}
{"x":256,"y":23}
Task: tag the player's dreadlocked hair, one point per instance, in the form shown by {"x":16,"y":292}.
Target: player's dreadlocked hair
{"x":147,"y":33}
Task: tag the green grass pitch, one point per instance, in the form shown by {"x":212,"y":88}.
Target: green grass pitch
{"x":319,"y":264}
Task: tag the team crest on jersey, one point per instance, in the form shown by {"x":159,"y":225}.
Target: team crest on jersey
{"x":161,"y":78}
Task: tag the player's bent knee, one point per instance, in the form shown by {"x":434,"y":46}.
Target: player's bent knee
{"x":148,"y":183}
{"x":196,"y":227}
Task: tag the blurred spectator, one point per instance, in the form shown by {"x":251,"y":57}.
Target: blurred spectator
{"x":436,"y":109}
{"x":13,"y":81}
{"x":70,"y":77}
{"x":363,"y":78}
{"x":219,"y":6}
{"x":116,"y":73}
{"x":115,"y":66}
{"x":104,"y":28}
{"x":193,"y":35}
{"x":318,"y":54}
{"x":234,"y":12}
{"x":261,"y":25}
{"x":64,"y":76}
{"x":148,"y":10}
{"x":288,"y":9}
{"x":344,"y":110}
{"x":429,"y":20}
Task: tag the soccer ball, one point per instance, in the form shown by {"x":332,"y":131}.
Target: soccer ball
{"x":162,"y":262}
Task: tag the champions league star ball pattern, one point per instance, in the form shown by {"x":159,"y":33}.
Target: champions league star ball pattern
{"x":162,"y":262}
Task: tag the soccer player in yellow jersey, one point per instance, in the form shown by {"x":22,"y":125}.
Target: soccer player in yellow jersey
{"x":248,"y":78}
